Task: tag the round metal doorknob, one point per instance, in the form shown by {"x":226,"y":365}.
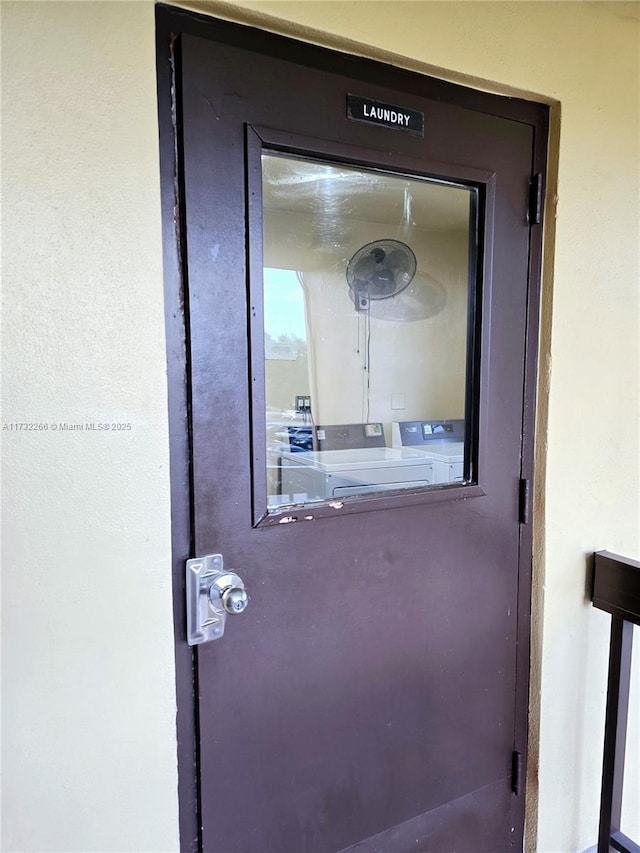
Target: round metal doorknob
{"x":235,"y":600}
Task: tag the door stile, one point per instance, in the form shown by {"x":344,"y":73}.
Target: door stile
{"x":176,"y":296}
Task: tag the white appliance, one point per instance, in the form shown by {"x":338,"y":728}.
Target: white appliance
{"x":338,"y":469}
{"x":440,"y":441}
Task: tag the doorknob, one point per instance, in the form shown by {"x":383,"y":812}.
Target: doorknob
{"x":212,"y":595}
{"x":234,"y":600}
{"x":227,"y":589}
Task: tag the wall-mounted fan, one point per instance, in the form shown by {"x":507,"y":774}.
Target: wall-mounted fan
{"x":384,"y":283}
{"x":380,"y":270}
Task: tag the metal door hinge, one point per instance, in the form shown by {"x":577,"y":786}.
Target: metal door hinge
{"x":516,"y":772}
{"x":524,"y":510}
{"x":213,"y":593}
{"x":534,"y":212}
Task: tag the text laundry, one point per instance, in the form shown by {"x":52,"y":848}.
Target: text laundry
{"x":383,"y":114}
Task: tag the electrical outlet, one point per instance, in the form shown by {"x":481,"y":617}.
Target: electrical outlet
{"x":303,"y":403}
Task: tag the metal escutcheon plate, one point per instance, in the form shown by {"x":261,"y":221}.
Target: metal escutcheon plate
{"x":212,"y":595}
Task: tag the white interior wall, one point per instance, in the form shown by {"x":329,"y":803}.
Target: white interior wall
{"x":89,"y":753}
{"x":423,"y":361}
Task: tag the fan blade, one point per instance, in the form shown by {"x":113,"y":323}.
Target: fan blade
{"x":398,"y":260}
{"x":365,"y":268}
{"x":382,"y":284}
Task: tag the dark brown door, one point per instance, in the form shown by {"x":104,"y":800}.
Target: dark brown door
{"x":367,"y":698}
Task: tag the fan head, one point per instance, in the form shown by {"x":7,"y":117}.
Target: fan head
{"x":380,"y":270}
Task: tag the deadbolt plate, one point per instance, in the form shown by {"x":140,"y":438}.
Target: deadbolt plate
{"x":203,"y":622}
{"x":212,"y":595}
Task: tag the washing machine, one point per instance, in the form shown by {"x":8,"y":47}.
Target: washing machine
{"x":440,"y":441}
{"x":351,"y":459}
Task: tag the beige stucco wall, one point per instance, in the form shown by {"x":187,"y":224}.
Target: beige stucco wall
{"x":89,"y":706}
{"x":89,"y":757}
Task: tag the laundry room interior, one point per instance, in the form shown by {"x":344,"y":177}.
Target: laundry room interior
{"x":369,"y":277}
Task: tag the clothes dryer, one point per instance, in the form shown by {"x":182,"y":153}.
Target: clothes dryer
{"x":440,"y":441}
{"x":351,"y":459}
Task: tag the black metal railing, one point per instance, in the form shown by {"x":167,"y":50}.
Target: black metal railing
{"x":616,"y":589}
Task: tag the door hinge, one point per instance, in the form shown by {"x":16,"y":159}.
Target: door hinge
{"x":524,"y":510}
{"x":534,"y":213}
{"x":516,"y":772}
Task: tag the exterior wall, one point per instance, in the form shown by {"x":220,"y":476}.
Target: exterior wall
{"x":90,"y":743}
{"x":89,"y":699}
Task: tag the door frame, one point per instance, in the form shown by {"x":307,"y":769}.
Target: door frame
{"x":171,"y":23}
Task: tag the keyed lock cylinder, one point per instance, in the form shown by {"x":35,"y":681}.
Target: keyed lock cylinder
{"x":212,"y":595}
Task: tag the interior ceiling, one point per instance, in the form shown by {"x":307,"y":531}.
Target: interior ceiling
{"x":332,"y":192}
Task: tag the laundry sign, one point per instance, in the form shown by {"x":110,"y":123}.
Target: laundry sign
{"x":387,"y":115}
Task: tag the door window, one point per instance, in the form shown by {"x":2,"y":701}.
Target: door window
{"x":369,"y":285}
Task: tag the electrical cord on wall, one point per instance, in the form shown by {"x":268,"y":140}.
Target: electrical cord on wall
{"x":365,"y":316}
{"x":366,"y":365}
{"x":368,"y":362}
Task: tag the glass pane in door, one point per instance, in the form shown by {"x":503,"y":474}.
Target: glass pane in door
{"x":369,"y":281}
